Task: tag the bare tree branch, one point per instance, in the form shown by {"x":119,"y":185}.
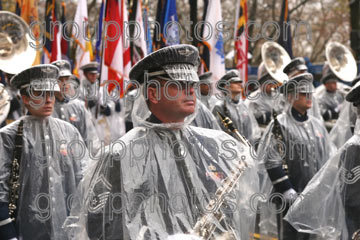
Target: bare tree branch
{"x":297,"y":6}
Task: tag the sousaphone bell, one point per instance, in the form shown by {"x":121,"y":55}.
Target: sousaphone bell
{"x":275,"y":59}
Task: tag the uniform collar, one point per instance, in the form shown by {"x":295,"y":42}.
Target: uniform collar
{"x":153,"y":119}
{"x":298,"y":116}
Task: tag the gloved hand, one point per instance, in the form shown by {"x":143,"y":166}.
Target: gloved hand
{"x":91,"y":103}
{"x":290,"y":196}
{"x":183,"y":237}
{"x":117,"y":106}
{"x":334,"y":113}
{"x":105,"y":110}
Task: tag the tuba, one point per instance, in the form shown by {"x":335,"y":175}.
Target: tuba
{"x":341,"y":61}
{"x":4,"y":103}
{"x":16,"y":53}
{"x":275,"y":59}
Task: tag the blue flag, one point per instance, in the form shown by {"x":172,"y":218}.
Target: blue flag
{"x":167,"y":17}
{"x":170,"y":29}
{"x":147,"y":29}
{"x":99,"y":36}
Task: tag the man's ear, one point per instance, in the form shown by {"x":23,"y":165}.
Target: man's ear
{"x":25,"y":99}
{"x":153,"y":95}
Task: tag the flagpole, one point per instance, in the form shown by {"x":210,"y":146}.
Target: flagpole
{"x":102,"y":57}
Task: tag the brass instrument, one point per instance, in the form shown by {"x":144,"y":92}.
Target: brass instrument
{"x":14,"y":181}
{"x":205,"y":226}
{"x":4,"y":103}
{"x":17,"y":48}
{"x":275,"y":59}
{"x":341,"y":61}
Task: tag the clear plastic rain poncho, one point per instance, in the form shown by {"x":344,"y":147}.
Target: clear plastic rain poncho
{"x":329,"y":100}
{"x":262,"y":105}
{"x":344,"y":127}
{"x":109,"y":127}
{"x":241,"y":116}
{"x":330,"y":204}
{"x":204,"y":118}
{"x":52,"y":159}
{"x":154,"y":182}
{"x":306,"y":146}
{"x":209,"y":101}
{"x":75,"y":112}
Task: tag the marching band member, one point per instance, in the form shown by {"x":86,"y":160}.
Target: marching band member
{"x":163,"y":188}
{"x":331,"y":99}
{"x":233,"y":107}
{"x":294,"y":146}
{"x":107,"y":114}
{"x":41,"y":162}
{"x":330,"y":204}
{"x":73,"y":110}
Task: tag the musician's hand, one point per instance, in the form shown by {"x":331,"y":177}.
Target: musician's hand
{"x":290,"y":196}
{"x":183,"y":237}
{"x":335,"y":113}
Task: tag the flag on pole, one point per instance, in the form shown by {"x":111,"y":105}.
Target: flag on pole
{"x":285,"y":39}
{"x":83,"y":54}
{"x":30,"y":14}
{"x":241,"y":41}
{"x":204,"y":51}
{"x":99,"y":33}
{"x":138,"y":46}
{"x":158,"y":41}
{"x":64,"y":43}
{"x":214,"y":41}
{"x":52,"y":51}
{"x":147,"y":29}
{"x":18,"y":7}
{"x":116,"y":61}
{"x":169,"y":27}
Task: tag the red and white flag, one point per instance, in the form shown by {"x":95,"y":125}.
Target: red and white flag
{"x":116,"y":62}
{"x":241,"y":41}
{"x":84,"y":52}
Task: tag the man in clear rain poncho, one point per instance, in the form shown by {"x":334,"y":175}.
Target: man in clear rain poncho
{"x":206,"y":90}
{"x":70,"y":109}
{"x":263,"y":100}
{"x":330,"y":98}
{"x":293,"y":148}
{"x":105,"y":106}
{"x":330,"y":203}
{"x":232,"y":106}
{"x":156,"y":181}
{"x":204,"y":118}
{"x":51,"y":155}
{"x":344,"y":127}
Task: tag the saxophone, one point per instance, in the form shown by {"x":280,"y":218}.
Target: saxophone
{"x":14,"y":183}
{"x":205,"y":226}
